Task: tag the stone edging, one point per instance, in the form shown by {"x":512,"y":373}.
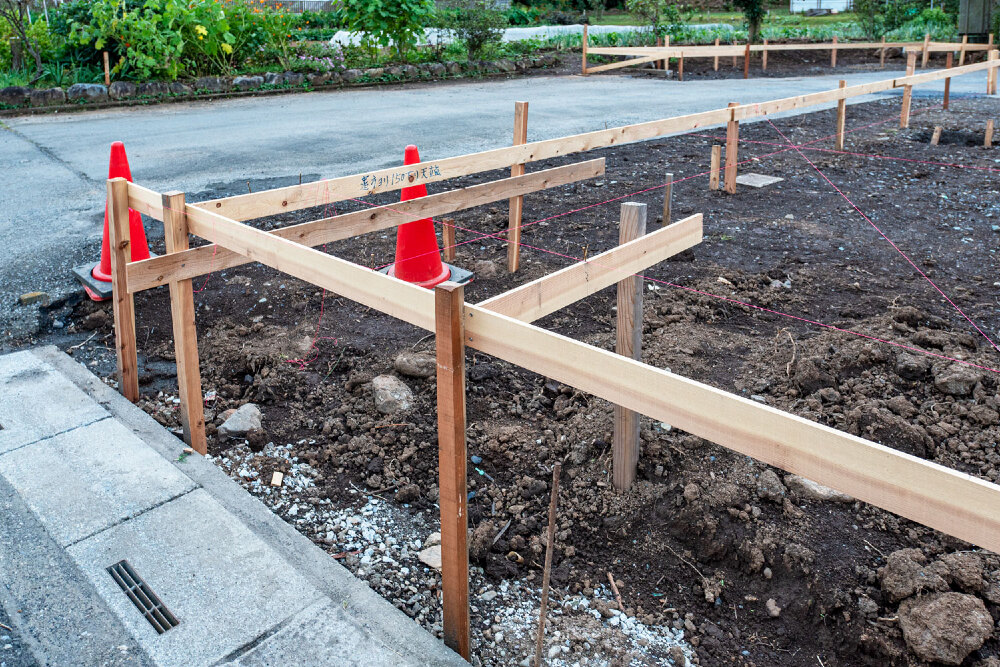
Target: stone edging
{"x":17,"y":100}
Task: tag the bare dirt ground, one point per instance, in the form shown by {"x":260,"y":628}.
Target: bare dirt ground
{"x":720,"y":559}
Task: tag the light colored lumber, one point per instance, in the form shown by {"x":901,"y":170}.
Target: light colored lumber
{"x":904,"y":114}
{"x":936,"y":136}
{"x":732,"y":150}
{"x":122,"y":304}
{"x":554,"y":291}
{"x":833,"y":53}
{"x":926,"y":51}
{"x":175,"y":232}
{"x":963,"y":50}
{"x":714,"y":167}
{"x":881,"y":54}
{"x":928,"y":493}
{"x":763,"y":57}
{"x":991,"y":75}
{"x":624,"y":63}
{"x":988,"y":141}
{"x":716,"y":64}
{"x":680,"y":67}
{"x":746,"y":62}
{"x":585,"y":40}
{"x":145,"y":201}
{"x":516,"y":203}
{"x":948,"y":64}
{"x":625,"y":439}
{"x":448,"y":239}
{"x":205,"y":259}
{"x":449,"y":319}
{"x":841,"y":118}
{"x":668,"y":200}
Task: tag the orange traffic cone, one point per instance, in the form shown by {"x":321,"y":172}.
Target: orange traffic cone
{"x":97,"y":279}
{"x":418,"y":258}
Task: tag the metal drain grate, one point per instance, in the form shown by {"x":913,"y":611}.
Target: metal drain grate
{"x":143,"y":597}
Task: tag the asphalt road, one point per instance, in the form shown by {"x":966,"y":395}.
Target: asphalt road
{"x":13,"y":652}
{"x":52,"y":191}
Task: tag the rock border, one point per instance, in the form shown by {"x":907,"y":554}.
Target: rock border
{"x":20,"y":100}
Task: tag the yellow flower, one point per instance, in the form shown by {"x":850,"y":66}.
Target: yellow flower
{"x":227,"y":48}
{"x":201,"y":30}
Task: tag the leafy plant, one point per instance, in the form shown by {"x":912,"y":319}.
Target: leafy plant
{"x":754,"y":11}
{"x":14,"y":14}
{"x":385,"y":23}
{"x":478,"y":25}
{"x":662,"y":16}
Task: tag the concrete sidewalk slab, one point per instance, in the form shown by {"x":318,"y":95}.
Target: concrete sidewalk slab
{"x":247,"y":588}
{"x":38,"y":403}
{"x":87,"y":479}
{"x":220,"y":580}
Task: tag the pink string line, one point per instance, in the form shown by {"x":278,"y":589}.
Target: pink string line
{"x":883,"y":235}
{"x":771,"y":311}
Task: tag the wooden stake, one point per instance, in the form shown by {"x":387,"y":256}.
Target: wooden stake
{"x":716,"y":57}
{"x":668,"y":199}
{"x":123,"y":305}
{"x":881,"y":52}
{"x":746,"y":62}
{"x":584,"y":66}
{"x":517,"y":203}
{"x":448,"y":239}
{"x":107,"y":70}
{"x":833,"y":53}
{"x":936,"y":137}
{"x":732,"y":151}
{"x":763,"y":57}
{"x":713,"y":172}
{"x":549,"y":546}
{"x":625,"y":446}
{"x":185,"y":333}
{"x":926,"y":51}
{"x":961,"y":52}
{"x":680,"y":67}
{"x":904,"y":114}
{"x":988,"y":142}
{"x":841,"y":118}
{"x":947,"y":82}
{"x":449,"y":322}
{"x":991,"y":75}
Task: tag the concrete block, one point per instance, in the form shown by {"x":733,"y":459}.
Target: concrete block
{"x":90,"y":478}
{"x":37,"y":402}
{"x":757,"y":180}
{"x":225,"y":585}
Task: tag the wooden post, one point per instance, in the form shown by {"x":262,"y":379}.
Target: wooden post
{"x":936,"y":137}
{"x":448,"y":239}
{"x":991,"y":75}
{"x":658,"y":64}
{"x":716,"y":56}
{"x":449,"y":322}
{"x":713,"y":174}
{"x":841,"y":117}
{"x":988,"y":142}
{"x":833,"y":53}
{"x":763,"y":57}
{"x":961,"y":52}
{"x":904,"y":114}
{"x":949,"y":60}
{"x":926,"y":51}
{"x":107,"y":70}
{"x":517,"y":203}
{"x":668,"y":199}
{"x":625,"y":450}
{"x":881,"y":54}
{"x":584,"y":66}
{"x":123,"y":305}
{"x":680,"y":67}
{"x":175,"y":231}
{"x":746,"y":61}
{"x":732,"y":151}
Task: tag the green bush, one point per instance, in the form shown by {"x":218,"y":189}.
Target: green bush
{"x":662,"y":16}
{"x":386,"y":23}
{"x":478,"y":25}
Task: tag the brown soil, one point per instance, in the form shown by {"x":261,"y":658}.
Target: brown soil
{"x":706,"y":537}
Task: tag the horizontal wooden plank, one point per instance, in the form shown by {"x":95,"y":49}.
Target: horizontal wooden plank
{"x":623,"y":63}
{"x":557,"y":290}
{"x":292,"y":198}
{"x":145,"y":201}
{"x":931,"y":494}
{"x":191,"y":263}
{"x":937,"y":75}
{"x":394,"y":297}
{"x":936,"y":496}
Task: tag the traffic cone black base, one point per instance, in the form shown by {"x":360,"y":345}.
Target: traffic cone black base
{"x":97,"y":290}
